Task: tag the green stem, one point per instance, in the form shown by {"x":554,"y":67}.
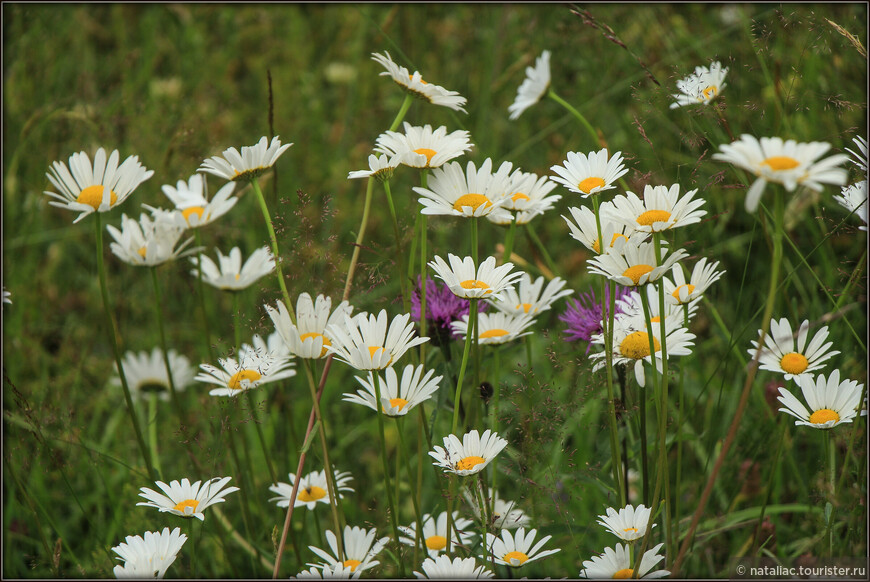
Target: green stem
{"x":541,"y":248}
{"x":388,"y":487}
{"x":493,"y":417}
{"x":469,"y":333}
{"x":152,"y":430}
{"x":359,"y":237}
{"x":403,"y":283}
{"x":418,"y":542}
{"x":424,"y":235}
{"x":402,"y":111}
{"x":663,"y":421}
{"x":158,"y":312}
{"x":831,"y":482}
{"x":509,"y":241}
{"x":274,"y":240}
{"x":200,"y":290}
{"x":193,"y":544}
{"x":591,"y":130}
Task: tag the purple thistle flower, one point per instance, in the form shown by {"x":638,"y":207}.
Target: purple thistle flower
{"x":442,"y":306}
{"x":584,"y":315}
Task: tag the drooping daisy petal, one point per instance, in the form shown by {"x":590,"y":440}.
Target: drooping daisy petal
{"x":534,"y":86}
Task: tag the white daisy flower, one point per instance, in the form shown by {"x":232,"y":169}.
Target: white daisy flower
{"x":149,"y":242}
{"x":273,"y":347}
{"x":628,"y":524}
{"x":786,"y":162}
{"x":632,"y":264}
{"x":701,"y":87}
{"x":504,"y":514}
{"x":854,"y":199}
{"x":185,"y":499}
{"x":434,"y":533}
{"x":231,"y":275}
{"x":830,"y":401}
{"x":423,"y":147}
{"x":443,"y":567}
{"x":680,"y":291}
{"x":528,"y":296}
{"x":469,"y":456}
{"x":661,"y":208}
{"x":365,"y":342}
{"x":534,"y":86}
{"x":475,"y":192}
{"x":592,"y":174}
{"x":496,"y":328}
{"x":516,"y":549}
{"x":784,"y":353}
{"x":859,"y":158}
{"x":584,"y":228}
{"x":360,"y":549}
{"x":146,"y":373}
{"x":379,"y":167}
{"x":324,"y":571}
{"x":253,"y":370}
{"x":97,"y":187}
{"x":416,"y":86}
{"x":307,"y":337}
{"x":616,"y":563}
{"x":190,"y":200}
{"x":313,"y":488}
{"x":398,"y":398}
{"x":148,"y":557}
{"x":528,"y":196}
{"x":247,"y":165}
{"x":487,"y":281}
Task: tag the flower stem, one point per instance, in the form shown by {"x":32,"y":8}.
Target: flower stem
{"x":400,"y":421}
{"x":424,"y":234}
{"x":158,"y":312}
{"x":388,"y":487}
{"x":591,"y":130}
{"x":274,"y":240}
{"x":152,"y":430}
{"x":200,"y":291}
{"x":406,"y":104}
{"x":403,"y":283}
{"x":359,"y":237}
{"x":469,"y":333}
{"x":509,"y":241}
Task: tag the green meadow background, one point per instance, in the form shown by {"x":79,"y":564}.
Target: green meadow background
{"x":176,"y":83}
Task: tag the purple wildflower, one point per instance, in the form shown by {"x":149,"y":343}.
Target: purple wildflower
{"x":442,"y":306}
{"x":584,"y":315}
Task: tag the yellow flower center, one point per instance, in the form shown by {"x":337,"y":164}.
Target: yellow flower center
{"x":589,"y":184}
{"x":655,"y":319}
{"x":352,"y":563}
{"x":794,"y":363}
{"x":238,"y":276}
{"x":520,"y":196}
{"x":650,"y":217}
{"x":469,"y":463}
{"x":326,"y":341}
{"x":710,"y":92}
{"x":636,"y":272}
{"x":426,"y":152}
{"x":436,"y":542}
{"x":689,"y":287}
{"x":142,"y":252}
{"x":525,"y":307}
{"x":597,"y":244}
{"x":777,"y":163}
{"x":515,"y":555}
{"x":235,"y":382}
{"x":475,"y":284}
{"x":624,"y":574}
{"x":312,"y":493}
{"x":411,"y":77}
{"x":824,"y":415}
{"x":473,"y":200}
{"x":494,"y":332}
{"x":374,"y":350}
{"x":191,"y":503}
{"x":636,"y":345}
{"x":630,"y":529}
{"x":93,"y":196}
{"x":400,"y":403}
{"x":187,"y":212}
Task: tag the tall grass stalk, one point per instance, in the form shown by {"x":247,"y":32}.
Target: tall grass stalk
{"x":158,"y":315}
{"x":206,"y":326}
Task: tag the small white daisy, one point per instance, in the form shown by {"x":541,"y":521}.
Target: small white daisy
{"x":416,"y":86}
{"x":247,"y":165}
{"x":680,"y":291}
{"x":190,"y":200}
{"x":785,"y":162}
{"x":231,"y":275}
{"x":534,"y":86}
{"x":830,"y":401}
{"x":859,"y":158}
{"x":701,"y":87}
{"x":253,"y":370}
{"x":632,"y":264}
{"x":528,"y":196}
{"x":360,"y":549}
{"x":784,"y":353}
{"x":592,"y":174}
{"x":628,"y":524}
{"x":380,"y":168}
{"x":149,"y":242}
{"x":487,"y":281}
{"x":313,"y":488}
{"x":504,"y":514}
{"x":185,"y":499}
{"x":423,"y":147}
{"x":475,"y":192}
{"x":469,"y":456}
{"x":307,"y":337}
{"x":661,"y":208}
{"x":365,"y":342}
{"x":616,"y":563}
{"x":584,"y":228}
{"x":325,"y":571}
{"x":443,"y":567}
{"x":97,"y":187}
{"x":435,"y":533}
{"x":398,"y":398}
{"x":516,"y":549}
{"x":148,"y":557}
{"x":496,"y":328}
{"x":146,"y":373}
{"x":531,"y":297}
{"x":854,"y":199}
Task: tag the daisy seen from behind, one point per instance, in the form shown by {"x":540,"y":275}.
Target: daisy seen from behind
{"x":416,"y":86}
{"x":632,"y":264}
{"x":628,"y":524}
{"x":423,"y":147}
{"x":590,"y":174}
{"x":617,"y":563}
{"x":367,"y":342}
{"x":496,"y":328}
{"x":360,"y":549}
{"x":146,"y":373}
{"x":442,"y":567}
{"x":533,"y":87}
{"x":469,"y":456}
{"x":786,"y":353}
{"x":398,"y":397}
{"x":434,"y":532}
{"x":474,"y":192}
{"x":701,"y":87}
{"x":149,"y":556}
{"x":516,"y":549}
{"x":148,"y":242}
{"x":307,"y":338}
{"x":229,"y":273}
{"x":313,"y":489}
{"x":531,"y":296}
{"x":830,"y":401}
{"x":661,"y":208}
{"x":247,"y":165}
{"x":100,"y":186}
{"x":466,"y":281}
{"x":250,"y":371}
{"x":186,"y":500}
{"x":190,"y":200}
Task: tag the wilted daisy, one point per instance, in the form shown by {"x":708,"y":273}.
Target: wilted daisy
{"x":617,"y":563}
{"x":784,"y":353}
{"x":443,"y":567}
{"x":416,"y":86}
{"x":534,"y":86}
{"x":360,"y":548}
{"x":633,"y":264}
{"x":146,"y":373}
{"x":421,"y":147}
{"x":97,"y":187}
{"x":307,"y":337}
{"x":435,"y":532}
{"x":528,"y":195}
{"x":190,"y":199}
{"x":681,"y":291}
{"x":365,"y":342}
{"x":592,"y":174}
{"x":584,"y":315}
{"x":661,"y":208}
{"x":185,"y":499}
{"x":504,"y":514}
{"x":859,"y":158}
{"x":149,"y":242}
{"x":469,"y":456}
{"x":313,"y":488}
{"x":398,"y":398}
{"x":380,"y":168}
{"x":324,"y":571}
{"x":786,"y":162}
{"x":531,"y":296}
{"x":229,"y":274}
{"x":442,"y":308}
{"x":487,"y":281}
{"x":830,"y":401}
{"x":854,"y":199}
{"x":253,"y":370}
{"x":516,"y":549}
{"x":496,"y":328}
{"x":474,"y":192}
{"x":584,"y":227}
{"x":701,"y":87}
{"x":628,"y":523}
{"x":247,"y":165}
{"x":148,"y":557}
